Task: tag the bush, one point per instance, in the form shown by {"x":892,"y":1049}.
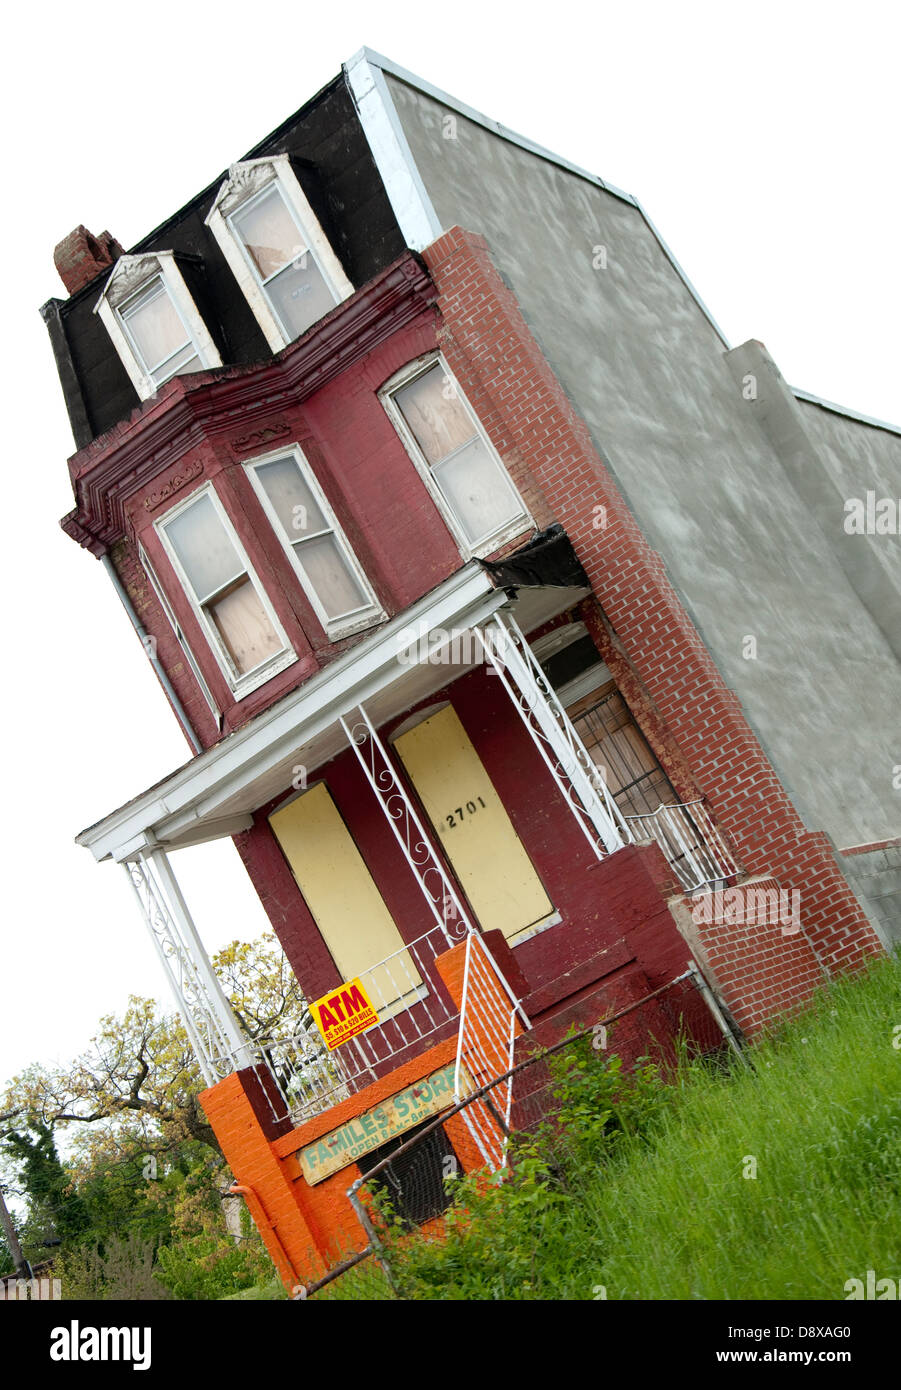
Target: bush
{"x":118,"y":1269}
{"x":510,"y":1238}
{"x":204,"y":1261}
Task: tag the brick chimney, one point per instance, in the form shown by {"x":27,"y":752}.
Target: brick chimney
{"x":81,"y":257}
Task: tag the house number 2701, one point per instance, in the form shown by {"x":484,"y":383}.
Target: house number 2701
{"x":470,"y":810}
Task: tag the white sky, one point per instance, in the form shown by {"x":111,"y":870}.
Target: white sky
{"x":762,"y":139}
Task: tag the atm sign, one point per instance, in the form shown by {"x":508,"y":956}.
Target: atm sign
{"x":343,"y":1013}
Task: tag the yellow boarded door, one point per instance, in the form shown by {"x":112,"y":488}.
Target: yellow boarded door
{"x":460,"y":800}
{"x":341,"y":894}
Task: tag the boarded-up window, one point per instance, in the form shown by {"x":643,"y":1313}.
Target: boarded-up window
{"x":633,"y":775}
{"x":469,"y":476}
{"x":340,"y":892}
{"x":315,"y":542}
{"x":221,"y":586}
{"x":286,"y":269}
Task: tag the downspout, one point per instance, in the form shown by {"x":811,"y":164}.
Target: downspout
{"x":150,"y":649}
{"x":258,"y":1212}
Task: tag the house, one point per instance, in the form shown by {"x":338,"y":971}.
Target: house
{"x":510,"y":616}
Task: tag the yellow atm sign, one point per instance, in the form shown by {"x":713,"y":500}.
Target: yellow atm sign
{"x":343,"y":1013}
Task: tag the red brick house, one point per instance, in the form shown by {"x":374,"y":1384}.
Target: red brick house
{"x":438,"y":684}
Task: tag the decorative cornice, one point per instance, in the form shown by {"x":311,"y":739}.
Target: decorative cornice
{"x":187,"y":410}
{"x":256,"y":439}
{"x":73,"y":527}
{"x":173,"y":484}
{"x":243,"y":180}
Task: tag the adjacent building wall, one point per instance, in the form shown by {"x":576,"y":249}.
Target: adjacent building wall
{"x":875,"y":876}
{"x":646,"y":370}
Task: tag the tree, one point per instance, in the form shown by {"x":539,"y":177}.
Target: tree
{"x":139,"y":1152}
{"x":53,"y":1204}
{"x":139,"y":1078}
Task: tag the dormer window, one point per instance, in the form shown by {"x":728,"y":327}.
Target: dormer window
{"x":281,"y":258}
{"x":158,"y":335}
{"x":154,"y":323}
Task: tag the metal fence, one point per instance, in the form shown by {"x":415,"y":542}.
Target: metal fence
{"x":412,"y":1188}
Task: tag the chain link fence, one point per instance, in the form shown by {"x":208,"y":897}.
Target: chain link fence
{"x":410,"y":1188}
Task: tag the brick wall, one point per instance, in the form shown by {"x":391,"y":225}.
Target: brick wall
{"x":491,"y":350}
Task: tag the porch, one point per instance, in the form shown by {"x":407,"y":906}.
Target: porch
{"x":468,"y":635}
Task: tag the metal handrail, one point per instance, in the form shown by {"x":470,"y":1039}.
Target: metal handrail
{"x":690,"y":840}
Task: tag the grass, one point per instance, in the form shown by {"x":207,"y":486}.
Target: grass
{"x":777,"y":1181}
{"x":272,"y":1291}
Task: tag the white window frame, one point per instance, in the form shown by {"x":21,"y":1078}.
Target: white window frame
{"x":131,"y":275}
{"x":485,"y":544}
{"x":334,"y":628}
{"x":172,"y":619}
{"x":240,"y":685}
{"x":247,"y":181}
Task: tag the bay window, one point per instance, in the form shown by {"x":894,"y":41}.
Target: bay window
{"x":234,"y":612}
{"x":180,"y":636}
{"x":311,"y":535}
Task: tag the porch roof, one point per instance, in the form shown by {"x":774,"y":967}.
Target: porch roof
{"x":215,"y":794}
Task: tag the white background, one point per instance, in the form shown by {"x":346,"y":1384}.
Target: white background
{"x":762,"y":139}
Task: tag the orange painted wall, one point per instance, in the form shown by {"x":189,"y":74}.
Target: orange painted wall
{"x":307,"y":1229}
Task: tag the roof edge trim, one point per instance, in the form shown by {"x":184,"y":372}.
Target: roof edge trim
{"x":844,"y":410}
{"x":416,"y":216}
{"x":377,"y":60}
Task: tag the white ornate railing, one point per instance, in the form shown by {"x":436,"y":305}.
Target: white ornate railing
{"x":207,"y":1016}
{"x":578,"y":778}
{"x":444,"y":902}
{"x":690,"y":840}
{"x":412,"y":1012}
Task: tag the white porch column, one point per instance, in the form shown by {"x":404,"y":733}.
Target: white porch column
{"x":215,"y":1034}
{"x":437,"y":888}
{"x":579,"y":779}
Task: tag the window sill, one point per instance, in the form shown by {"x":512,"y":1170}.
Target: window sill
{"x":254,"y":679}
{"x":338,"y":633}
{"x":523,"y":525}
